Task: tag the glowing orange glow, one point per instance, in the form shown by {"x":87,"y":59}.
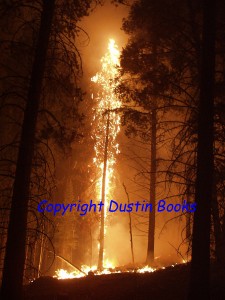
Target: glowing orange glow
{"x":63,"y":274}
{"x":106,"y":101}
{"x":106,"y":104}
{"x":146,"y":269}
{"x":106,"y":122}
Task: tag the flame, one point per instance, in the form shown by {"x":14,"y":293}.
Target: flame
{"x":63,"y":274}
{"x":106,"y":101}
{"x":109,"y":269}
{"x":146,"y":269}
{"x":106,"y":121}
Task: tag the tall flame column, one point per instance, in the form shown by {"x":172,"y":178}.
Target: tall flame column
{"x":106,"y":129}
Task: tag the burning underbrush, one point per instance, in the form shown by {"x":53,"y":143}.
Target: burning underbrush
{"x":110,"y":268}
{"x":92,"y":271}
{"x":127,"y":282}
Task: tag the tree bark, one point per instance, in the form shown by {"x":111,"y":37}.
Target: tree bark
{"x":188,"y":218}
{"x":217,"y":226}
{"x":200,"y":265}
{"x":102,"y":225}
{"x":130,"y":226}
{"x":151,"y":226}
{"x":12,"y":281}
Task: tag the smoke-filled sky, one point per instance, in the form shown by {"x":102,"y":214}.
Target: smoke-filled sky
{"x":103,"y":23}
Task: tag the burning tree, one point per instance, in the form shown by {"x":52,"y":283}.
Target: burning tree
{"x":106,"y":129}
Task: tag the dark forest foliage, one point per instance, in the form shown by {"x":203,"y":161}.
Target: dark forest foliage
{"x":165,"y":67}
{"x":40,"y":75}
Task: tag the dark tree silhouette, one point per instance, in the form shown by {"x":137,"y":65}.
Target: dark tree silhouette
{"x":200,"y":265}
{"x":146,"y":83}
{"x":12,"y":280}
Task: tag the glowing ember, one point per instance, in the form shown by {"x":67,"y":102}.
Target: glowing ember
{"x":146,"y":269}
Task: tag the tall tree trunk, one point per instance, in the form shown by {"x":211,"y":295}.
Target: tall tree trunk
{"x":217,"y":226}
{"x":151,"y":226}
{"x":188,"y":217}
{"x":12,"y":281}
{"x":102,"y":225}
{"x":200,"y":265}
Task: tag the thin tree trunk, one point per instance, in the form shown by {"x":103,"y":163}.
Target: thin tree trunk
{"x":41,"y":253}
{"x":12,"y":281}
{"x":130,"y":226}
{"x":102,"y":226}
{"x":188,"y":217}
{"x":223,"y":226}
{"x":91,"y":246}
{"x":151,"y":227}
{"x":218,"y":234}
{"x":200,"y":265}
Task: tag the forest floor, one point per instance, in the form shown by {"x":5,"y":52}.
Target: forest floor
{"x":166,"y":284}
